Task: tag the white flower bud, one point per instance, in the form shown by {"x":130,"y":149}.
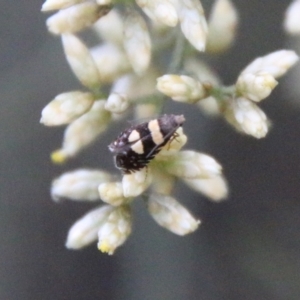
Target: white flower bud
{"x":193,"y":23}
{"x":215,"y":188}
{"x":222,"y":26}
{"x":170,"y":214}
{"x":181,"y":88}
{"x":114,"y":232}
{"x":137,"y":43}
{"x":112,"y":193}
{"x":292,"y":20}
{"x":255,"y":87}
{"x":247,"y":117}
{"x":83,"y":131}
{"x":111,"y":62}
{"x":117,"y":103}
{"x":276,"y":63}
{"x":209,"y":105}
{"x":81,"y":61}
{"x":163,"y":183}
{"x":66,"y":108}
{"x":110,"y":28}
{"x":85,"y":230}
{"x":136,"y":183}
{"x":79,"y":185}
{"x":125,"y":84}
{"x":161,"y":11}
{"x":192,"y":165}
{"x":75,"y":18}
{"x":59,"y":4}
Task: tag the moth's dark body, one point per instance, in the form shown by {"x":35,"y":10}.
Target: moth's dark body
{"x":128,"y":160}
{"x":137,"y":145}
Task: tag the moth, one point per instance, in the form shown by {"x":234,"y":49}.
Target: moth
{"x":136,"y":146}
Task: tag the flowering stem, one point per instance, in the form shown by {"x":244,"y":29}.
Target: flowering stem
{"x":98,"y":94}
{"x":221,"y":93}
{"x":178,"y":54}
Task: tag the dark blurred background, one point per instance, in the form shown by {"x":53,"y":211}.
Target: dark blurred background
{"x":246,"y":248}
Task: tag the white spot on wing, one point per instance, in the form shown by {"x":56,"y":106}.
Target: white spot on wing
{"x":138,"y":147}
{"x":134,"y":136}
{"x":156,"y":134}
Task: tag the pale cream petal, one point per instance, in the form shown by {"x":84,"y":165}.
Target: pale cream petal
{"x":255,"y":86}
{"x":81,"y":184}
{"x":137,"y":43}
{"x":181,"y":88}
{"x":191,"y":165}
{"x":215,"y":188}
{"x":276,"y":63}
{"x":75,"y":18}
{"x":83,"y":131}
{"x":193,"y":22}
{"x":222,"y":26}
{"x":136,"y":183}
{"x":112,"y":193}
{"x":81,"y":61}
{"x":85,"y":230}
{"x":115,"y":231}
{"x":66,"y":107}
{"x":170,"y":214}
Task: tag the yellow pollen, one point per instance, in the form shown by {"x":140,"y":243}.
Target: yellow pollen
{"x":104,"y":247}
{"x":58,"y":157}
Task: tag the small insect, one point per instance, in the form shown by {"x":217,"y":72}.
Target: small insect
{"x":136,"y":146}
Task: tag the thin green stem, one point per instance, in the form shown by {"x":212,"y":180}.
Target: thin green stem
{"x":178,"y":54}
{"x":222,"y":92}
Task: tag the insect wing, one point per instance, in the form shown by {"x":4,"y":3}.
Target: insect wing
{"x":136,"y":146}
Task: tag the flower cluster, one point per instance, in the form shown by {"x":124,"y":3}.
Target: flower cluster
{"x":236,"y":103}
{"x":148,"y":49}
{"x":111,"y":223}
